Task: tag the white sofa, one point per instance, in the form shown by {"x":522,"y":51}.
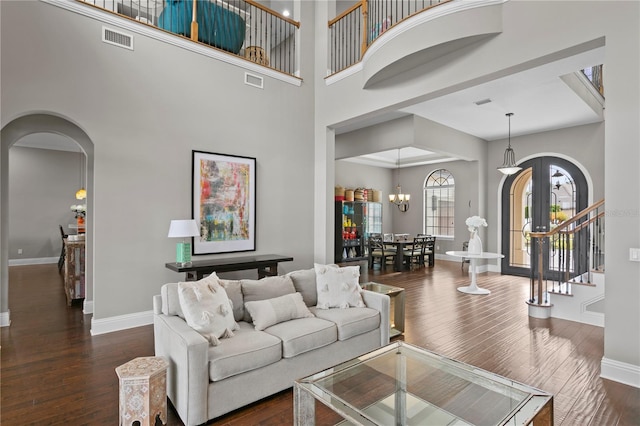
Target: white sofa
{"x":205,"y":382}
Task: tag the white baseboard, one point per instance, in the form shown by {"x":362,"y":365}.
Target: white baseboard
{"x":5,"y":319}
{"x":120,"y":322}
{"x":33,"y":261}
{"x":621,"y":372}
{"x":87,"y":307}
{"x":592,"y":318}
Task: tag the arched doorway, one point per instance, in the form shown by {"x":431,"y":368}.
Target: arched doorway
{"x":547,"y":191}
{"x":11,"y":133}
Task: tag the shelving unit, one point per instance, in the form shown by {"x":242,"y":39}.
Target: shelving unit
{"x":355,"y":221}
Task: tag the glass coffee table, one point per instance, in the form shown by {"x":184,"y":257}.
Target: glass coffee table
{"x":402,"y":384}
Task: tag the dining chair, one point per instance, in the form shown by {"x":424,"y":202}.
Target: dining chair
{"x":62,"y":253}
{"x":387,"y":240}
{"x":430,"y":250}
{"x":378,"y":251}
{"x":414,"y":254}
{"x":465,"y":247}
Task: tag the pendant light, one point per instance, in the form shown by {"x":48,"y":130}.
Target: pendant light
{"x":81,"y":193}
{"x":399,"y":199}
{"x":509,"y":165}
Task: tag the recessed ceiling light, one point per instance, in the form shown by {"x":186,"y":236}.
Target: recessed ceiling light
{"x":482,"y":101}
{"x":285,"y":13}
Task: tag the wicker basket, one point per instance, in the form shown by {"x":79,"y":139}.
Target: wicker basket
{"x":348,"y":194}
{"x":257,"y":55}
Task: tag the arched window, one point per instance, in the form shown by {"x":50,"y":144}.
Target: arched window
{"x":439,"y":204}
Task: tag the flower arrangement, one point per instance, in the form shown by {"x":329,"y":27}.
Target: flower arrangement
{"x":80,"y":210}
{"x":475,"y":222}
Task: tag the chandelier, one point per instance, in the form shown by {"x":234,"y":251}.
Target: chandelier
{"x":399,"y":199}
{"x":509,"y":165}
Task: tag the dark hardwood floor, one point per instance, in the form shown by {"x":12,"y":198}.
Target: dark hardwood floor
{"x":53,"y":372}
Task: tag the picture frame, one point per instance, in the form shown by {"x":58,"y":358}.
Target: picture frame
{"x":223,"y":202}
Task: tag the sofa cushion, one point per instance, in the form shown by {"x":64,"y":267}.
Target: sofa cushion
{"x":207,"y":308}
{"x":350,"y":322}
{"x":302,"y":335}
{"x":304,"y":282}
{"x":171,"y":300}
{"x":266,"y":288}
{"x":234,"y":292}
{"x":265,"y":313}
{"x":248,"y":350}
{"x":338,"y":287}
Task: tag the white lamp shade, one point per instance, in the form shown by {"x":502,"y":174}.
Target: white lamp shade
{"x":183,"y":228}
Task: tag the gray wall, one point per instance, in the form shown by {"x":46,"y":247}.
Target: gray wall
{"x":570,"y":28}
{"x":145,"y":111}
{"x":353,"y":175}
{"x":42,"y":187}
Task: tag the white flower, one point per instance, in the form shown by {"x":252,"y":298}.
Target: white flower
{"x":474,"y":222}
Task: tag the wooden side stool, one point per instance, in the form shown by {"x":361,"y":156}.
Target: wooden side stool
{"x":143,"y":391}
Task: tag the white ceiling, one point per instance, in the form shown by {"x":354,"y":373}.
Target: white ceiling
{"x":539,"y":99}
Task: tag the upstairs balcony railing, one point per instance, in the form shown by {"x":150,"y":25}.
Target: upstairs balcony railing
{"x":353,"y":30}
{"x":244,"y":28}
{"x":594,"y":75}
{"x":571,"y":251}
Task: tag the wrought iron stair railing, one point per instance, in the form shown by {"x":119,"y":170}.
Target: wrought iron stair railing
{"x":244,"y":28}
{"x":357,"y":27}
{"x":569,"y":253}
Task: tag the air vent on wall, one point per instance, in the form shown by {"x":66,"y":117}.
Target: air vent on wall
{"x":253,"y":80}
{"x":482,"y":101}
{"x":117,"y":38}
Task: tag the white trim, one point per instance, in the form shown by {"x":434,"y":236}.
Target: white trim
{"x":341,"y":75}
{"x":592,"y":318}
{"x":621,"y":372}
{"x":5,"y":319}
{"x":160,"y":35}
{"x":433,"y":14}
{"x":87,"y":307}
{"x":33,"y":261}
{"x":120,"y":322}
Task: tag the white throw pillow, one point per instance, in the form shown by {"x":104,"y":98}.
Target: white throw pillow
{"x":338,"y":287}
{"x":266,"y":313}
{"x":207,"y":309}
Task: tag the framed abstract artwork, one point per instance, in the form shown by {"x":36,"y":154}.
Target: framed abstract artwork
{"x":224,"y":202}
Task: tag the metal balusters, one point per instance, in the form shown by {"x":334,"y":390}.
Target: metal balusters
{"x":264,"y":33}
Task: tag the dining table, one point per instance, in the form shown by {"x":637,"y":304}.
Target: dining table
{"x":400,"y":242}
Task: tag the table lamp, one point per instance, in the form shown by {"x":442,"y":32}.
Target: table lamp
{"x":184,"y":229}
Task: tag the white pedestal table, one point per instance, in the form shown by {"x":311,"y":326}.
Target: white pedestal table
{"x":473,"y":257}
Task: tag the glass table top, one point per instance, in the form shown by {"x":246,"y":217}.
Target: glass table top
{"x":405,"y":385}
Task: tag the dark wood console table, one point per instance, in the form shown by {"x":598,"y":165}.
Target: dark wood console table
{"x":266,"y":264}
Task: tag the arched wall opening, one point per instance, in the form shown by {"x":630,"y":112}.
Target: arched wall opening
{"x":9,"y":135}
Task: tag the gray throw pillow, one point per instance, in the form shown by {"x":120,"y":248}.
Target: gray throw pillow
{"x":305,"y":283}
{"x":266,"y":288}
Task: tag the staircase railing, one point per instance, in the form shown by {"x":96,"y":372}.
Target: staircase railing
{"x":570,"y":251}
{"x":243,"y":28}
{"x":594,"y":75}
{"x":356,"y":28}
